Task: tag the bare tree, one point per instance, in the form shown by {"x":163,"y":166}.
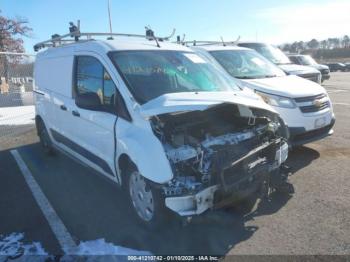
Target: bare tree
{"x":11,"y":33}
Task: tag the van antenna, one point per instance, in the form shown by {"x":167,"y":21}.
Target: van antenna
{"x":183,"y":39}
{"x":110,"y":20}
{"x":222,"y":40}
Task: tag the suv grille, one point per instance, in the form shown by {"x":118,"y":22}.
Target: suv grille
{"x":312,"y":104}
{"x":311,"y":77}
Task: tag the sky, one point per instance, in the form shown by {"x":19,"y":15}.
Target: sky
{"x":273,"y":21}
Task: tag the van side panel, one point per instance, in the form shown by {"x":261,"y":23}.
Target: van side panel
{"x":55,"y":74}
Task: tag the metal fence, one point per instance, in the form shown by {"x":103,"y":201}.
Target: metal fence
{"x":16,"y":96}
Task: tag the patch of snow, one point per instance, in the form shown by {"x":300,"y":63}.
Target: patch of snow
{"x":101,"y":247}
{"x":19,"y":115}
{"x":11,"y":246}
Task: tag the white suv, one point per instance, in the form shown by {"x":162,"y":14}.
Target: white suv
{"x":159,"y":120}
{"x":304,"y":105}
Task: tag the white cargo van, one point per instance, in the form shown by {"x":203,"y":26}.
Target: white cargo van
{"x":159,"y":120}
{"x":304,"y":105}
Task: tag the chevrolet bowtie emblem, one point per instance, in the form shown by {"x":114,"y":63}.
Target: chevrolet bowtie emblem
{"x":317,"y":103}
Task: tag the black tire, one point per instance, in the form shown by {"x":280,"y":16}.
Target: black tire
{"x":247,"y":204}
{"x":45,"y":139}
{"x":159,"y":213}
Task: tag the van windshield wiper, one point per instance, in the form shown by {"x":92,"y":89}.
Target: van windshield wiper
{"x":269,"y":76}
{"x":246,"y":77}
{"x":289,"y":63}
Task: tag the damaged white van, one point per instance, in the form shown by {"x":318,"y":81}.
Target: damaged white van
{"x":160,"y":121}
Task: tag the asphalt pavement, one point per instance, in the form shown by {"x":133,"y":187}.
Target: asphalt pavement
{"x":315,"y":220}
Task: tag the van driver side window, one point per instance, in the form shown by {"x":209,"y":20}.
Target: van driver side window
{"x":91,"y":76}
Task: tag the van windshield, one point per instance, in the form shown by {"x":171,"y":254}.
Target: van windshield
{"x":246,"y":64}
{"x":149,"y":74}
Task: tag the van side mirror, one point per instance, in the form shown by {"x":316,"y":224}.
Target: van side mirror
{"x":89,"y":101}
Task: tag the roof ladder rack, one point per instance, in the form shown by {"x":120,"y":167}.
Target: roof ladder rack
{"x":210,"y":42}
{"x":59,"y":40}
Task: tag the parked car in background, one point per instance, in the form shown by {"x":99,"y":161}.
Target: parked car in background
{"x":334,"y":67}
{"x":309,"y":61}
{"x":304,"y":105}
{"x":276,"y":56}
{"x":172,"y":129}
{"x":347,"y":65}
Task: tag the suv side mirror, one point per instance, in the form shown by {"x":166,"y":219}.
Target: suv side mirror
{"x":90,"y":101}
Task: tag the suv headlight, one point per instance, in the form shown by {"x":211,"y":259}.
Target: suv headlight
{"x":274,"y":100}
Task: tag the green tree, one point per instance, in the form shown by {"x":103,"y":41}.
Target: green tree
{"x":294,"y":47}
{"x":324,"y":44}
{"x":346,"y":41}
{"x":313,"y":44}
{"x":300,"y":46}
{"x":286,"y":48}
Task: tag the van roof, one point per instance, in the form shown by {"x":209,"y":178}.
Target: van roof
{"x":119,"y":43}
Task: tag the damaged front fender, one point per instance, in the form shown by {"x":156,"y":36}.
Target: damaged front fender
{"x":145,"y":151}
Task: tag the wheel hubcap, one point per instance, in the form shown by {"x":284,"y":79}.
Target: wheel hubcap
{"x":141,"y":196}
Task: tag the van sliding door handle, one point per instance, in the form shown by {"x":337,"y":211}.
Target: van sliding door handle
{"x":75,"y":113}
{"x":63,"y":107}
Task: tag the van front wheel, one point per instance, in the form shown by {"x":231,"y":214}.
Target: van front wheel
{"x":145,"y":199}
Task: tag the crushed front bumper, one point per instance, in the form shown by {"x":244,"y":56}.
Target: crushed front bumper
{"x":220,"y":195}
{"x":192,"y":204}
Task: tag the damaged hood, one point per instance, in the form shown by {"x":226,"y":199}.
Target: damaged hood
{"x":192,"y":101}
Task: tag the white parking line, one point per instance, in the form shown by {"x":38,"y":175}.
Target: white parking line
{"x":330,"y":91}
{"x":58,"y":228}
{"x":341,"y":104}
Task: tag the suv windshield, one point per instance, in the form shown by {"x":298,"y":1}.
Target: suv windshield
{"x":274,"y":54}
{"x":150,"y":74}
{"x":307,"y":60}
{"x":246,"y":64}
